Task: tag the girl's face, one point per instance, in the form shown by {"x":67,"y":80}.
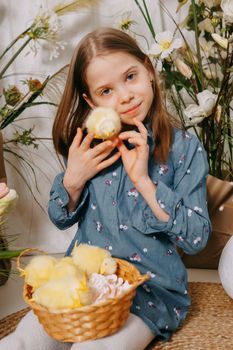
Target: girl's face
{"x":120,"y":81}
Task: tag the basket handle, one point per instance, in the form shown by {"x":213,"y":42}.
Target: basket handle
{"x":142,"y":279}
{"x":21,"y":270}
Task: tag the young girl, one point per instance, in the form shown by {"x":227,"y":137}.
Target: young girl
{"x":139,"y":195}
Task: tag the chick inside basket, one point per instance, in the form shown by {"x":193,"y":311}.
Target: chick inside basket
{"x":86,"y":277}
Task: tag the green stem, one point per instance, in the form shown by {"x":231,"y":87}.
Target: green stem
{"x":20,"y":36}
{"x":14,"y":57}
{"x":197,"y":42}
{"x":8,"y":254}
{"x":146,"y":19}
{"x":149,"y":19}
{"x":42,"y":103}
{"x":12,"y":116}
{"x":142,"y":36}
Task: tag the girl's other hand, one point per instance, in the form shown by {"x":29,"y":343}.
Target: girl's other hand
{"x":135,"y":160}
{"x":85,"y":162}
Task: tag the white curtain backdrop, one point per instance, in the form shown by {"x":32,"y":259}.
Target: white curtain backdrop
{"x":32,"y":225}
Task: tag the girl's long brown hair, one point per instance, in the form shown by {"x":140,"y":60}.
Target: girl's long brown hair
{"x":73,"y":109}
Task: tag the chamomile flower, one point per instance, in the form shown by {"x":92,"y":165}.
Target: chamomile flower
{"x":47,"y":26}
{"x":126,"y":21}
{"x":165,"y":45}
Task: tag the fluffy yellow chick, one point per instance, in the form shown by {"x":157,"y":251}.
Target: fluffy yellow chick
{"x":39,"y":270}
{"x":67,"y":292}
{"x":103,"y":122}
{"x":93,"y":259}
{"x":66,"y":267}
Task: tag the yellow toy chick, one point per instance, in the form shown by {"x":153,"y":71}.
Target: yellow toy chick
{"x":39,"y":270}
{"x":66,"y":267}
{"x":93,"y":259}
{"x":66,"y":292}
{"x":103,"y":122}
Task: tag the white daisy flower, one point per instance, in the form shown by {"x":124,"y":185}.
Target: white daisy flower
{"x":47,"y":26}
{"x":165,"y":44}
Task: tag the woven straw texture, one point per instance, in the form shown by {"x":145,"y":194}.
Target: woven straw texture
{"x":208,"y":325}
{"x":9,"y":323}
{"x":92,"y":321}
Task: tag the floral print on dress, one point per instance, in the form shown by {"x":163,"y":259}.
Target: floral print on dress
{"x":133,"y":193}
{"x":161,"y":204}
{"x":169,"y":252}
{"x":99,"y":226}
{"x":151,"y":304}
{"x":177,"y":311}
{"x":198,"y":209}
{"x":150,"y":274}
{"x":108,"y":182}
{"x":190,"y":212}
{"x":123,"y":227}
{"x":163,"y":169}
{"x":146,"y":288}
{"x":93,"y":206}
{"x":197,"y":240}
{"x":187,"y":135}
{"x":181,"y":159}
{"x":135,"y":257}
{"x":108,"y":247}
{"x":179,"y":239}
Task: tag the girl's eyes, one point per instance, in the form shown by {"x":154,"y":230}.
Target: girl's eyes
{"x":130,"y":76}
{"x":105,"y":92}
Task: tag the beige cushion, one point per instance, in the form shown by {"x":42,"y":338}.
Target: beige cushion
{"x":220,"y":204}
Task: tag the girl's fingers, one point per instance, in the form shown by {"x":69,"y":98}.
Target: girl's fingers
{"x":127,"y":134}
{"x":134,"y":137}
{"x":77,"y":139}
{"x":121,"y":147}
{"x":103,"y":155}
{"x":108,"y":161}
{"x":107,"y":146}
{"x":137,"y":141}
{"x":86,"y":144}
{"x":142,"y":129}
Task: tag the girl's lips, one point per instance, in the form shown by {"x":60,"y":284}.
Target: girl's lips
{"x":132,"y":110}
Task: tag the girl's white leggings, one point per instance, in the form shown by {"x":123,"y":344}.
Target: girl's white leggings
{"x":30,"y":335}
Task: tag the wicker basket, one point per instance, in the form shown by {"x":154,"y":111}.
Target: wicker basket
{"x":92,"y":321}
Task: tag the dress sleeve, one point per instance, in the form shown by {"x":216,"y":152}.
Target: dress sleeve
{"x":57,"y":205}
{"x":189,"y":224}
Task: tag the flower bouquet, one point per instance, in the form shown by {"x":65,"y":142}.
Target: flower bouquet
{"x":195,"y":64}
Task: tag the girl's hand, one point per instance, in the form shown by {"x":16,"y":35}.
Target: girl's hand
{"x":85,"y":162}
{"x":135,"y":160}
